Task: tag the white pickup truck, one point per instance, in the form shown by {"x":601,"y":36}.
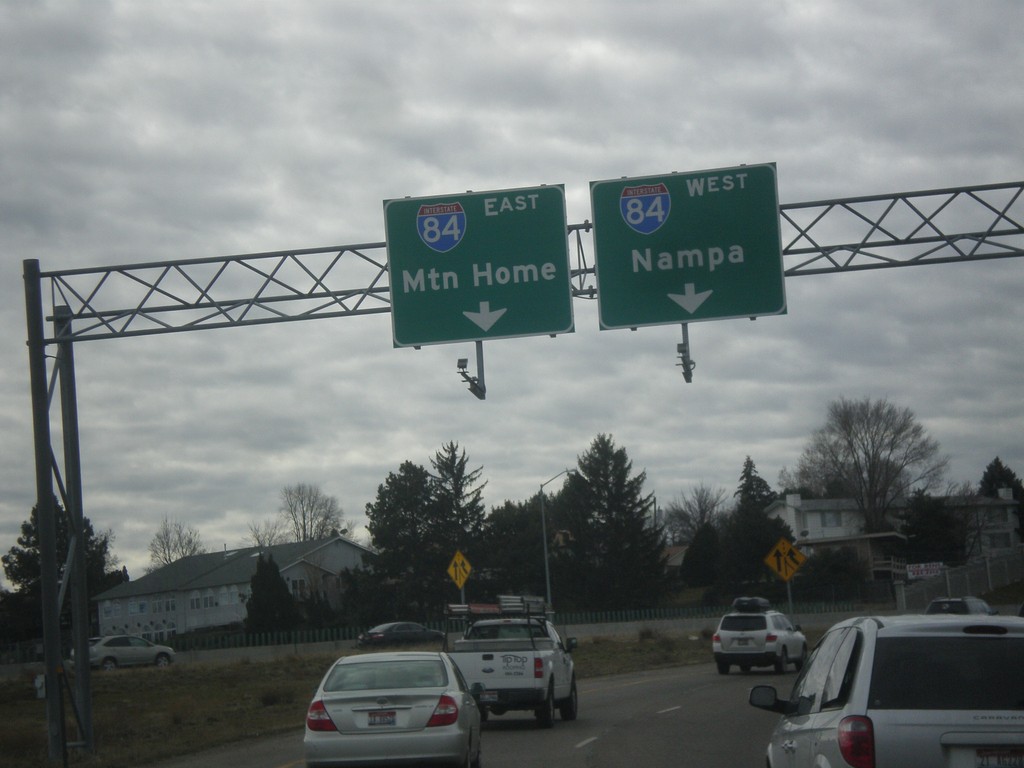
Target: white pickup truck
{"x":515,"y":660}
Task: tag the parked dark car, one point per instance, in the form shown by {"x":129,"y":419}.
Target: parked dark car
{"x":960,"y":606}
{"x":399,"y":633}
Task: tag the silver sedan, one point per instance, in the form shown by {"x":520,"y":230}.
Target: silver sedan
{"x":394,"y":709}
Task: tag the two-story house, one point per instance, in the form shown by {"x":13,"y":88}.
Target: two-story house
{"x":211,"y":590}
{"x":821,"y":524}
{"x":991,"y":525}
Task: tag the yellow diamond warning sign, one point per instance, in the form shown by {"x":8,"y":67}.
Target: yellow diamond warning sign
{"x":459,"y":569}
{"x":785,"y":559}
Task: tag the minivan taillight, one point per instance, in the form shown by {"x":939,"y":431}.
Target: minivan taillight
{"x":857,"y":741}
{"x":445,"y":713}
{"x":317,"y":718}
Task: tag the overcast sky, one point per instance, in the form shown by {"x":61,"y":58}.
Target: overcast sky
{"x":148,"y":131}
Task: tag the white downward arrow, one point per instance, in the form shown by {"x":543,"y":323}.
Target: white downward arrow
{"x":485,"y":318}
{"x":690,"y":300}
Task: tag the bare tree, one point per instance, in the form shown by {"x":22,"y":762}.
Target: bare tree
{"x":267,"y":533}
{"x":874,"y":452}
{"x":308,"y":513}
{"x":173,"y":541}
{"x":702,"y":505}
{"x":970,"y":512}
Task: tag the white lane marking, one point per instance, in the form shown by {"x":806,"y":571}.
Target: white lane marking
{"x":586,"y":741}
{"x":670,"y":709}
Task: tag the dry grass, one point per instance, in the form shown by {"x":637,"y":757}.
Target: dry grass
{"x":141,"y":716}
{"x":144,"y":715}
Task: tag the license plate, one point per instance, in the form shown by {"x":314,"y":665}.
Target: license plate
{"x":489,"y":697}
{"x":386,"y":717}
{"x":742,"y":641}
{"x":997,"y":757}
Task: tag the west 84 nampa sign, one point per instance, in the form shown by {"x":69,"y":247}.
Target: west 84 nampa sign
{"x":480,"y":265}
{"x":688,"y":246}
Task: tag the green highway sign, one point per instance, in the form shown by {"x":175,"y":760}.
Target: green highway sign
{"x":686,"y":247}
{"x":477,"y":266}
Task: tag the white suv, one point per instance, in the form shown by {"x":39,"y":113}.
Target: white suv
{"x":755,"y":636}
{"x":922,"y":691}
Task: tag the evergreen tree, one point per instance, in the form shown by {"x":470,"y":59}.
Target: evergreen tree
{"x":997,"y":475}
{"x":270,"y":607}
{"x":22,"y":563}
{"x":700,"y":563}
{"x":934,"y":532}
{"x":833,"y":574}
{"x":417,"y":523}
{"x":614,"y":556}
{"x":512,"y":550}
{"x":753,"y":492}
{"x":748,"y":533}
{"x":457,"y":499}
{"x":23,"y":566}
{"x":402,"y":532}
{"x":367,"y":596}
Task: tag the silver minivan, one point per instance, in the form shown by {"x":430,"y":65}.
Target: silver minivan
{"x":897,"y":691}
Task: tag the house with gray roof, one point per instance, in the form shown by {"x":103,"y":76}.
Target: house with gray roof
{"x":211,"y":590}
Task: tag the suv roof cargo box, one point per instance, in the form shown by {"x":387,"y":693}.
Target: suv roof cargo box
{"x":751,"y":604}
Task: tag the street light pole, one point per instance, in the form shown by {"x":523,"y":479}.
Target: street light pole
{"x":544,"y":534}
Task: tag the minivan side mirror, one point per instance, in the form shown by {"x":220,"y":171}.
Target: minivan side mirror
{"x":766,"y":697}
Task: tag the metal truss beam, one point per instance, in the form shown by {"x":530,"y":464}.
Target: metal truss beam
{"x":902,"y":230}
{"x":823,"y":237}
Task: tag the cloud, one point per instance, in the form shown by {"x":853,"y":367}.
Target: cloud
{"x":135,"y":133}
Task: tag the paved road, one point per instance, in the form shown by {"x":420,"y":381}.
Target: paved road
{"x":671,"y":717}
{"x":674,"y":717}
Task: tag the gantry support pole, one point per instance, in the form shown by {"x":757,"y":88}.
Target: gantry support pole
{"x":82,"y":690}
{"x":45,"y":509}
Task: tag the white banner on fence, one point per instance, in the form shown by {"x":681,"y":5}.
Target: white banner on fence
{"x":923,"y":570}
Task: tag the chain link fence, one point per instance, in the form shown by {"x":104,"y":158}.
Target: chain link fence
{"x":977,"y":577}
